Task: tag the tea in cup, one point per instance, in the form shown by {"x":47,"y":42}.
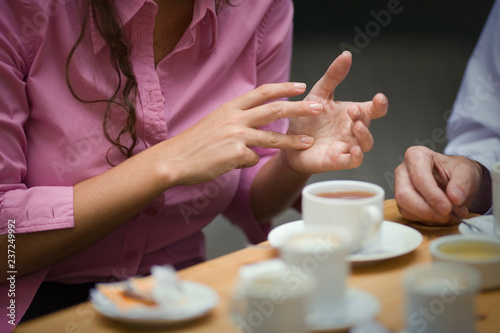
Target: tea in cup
{"x":353,"y":205}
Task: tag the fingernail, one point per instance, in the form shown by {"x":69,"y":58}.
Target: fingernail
{"x":307,"y":140}
{"x":316,"y":106}
{"x":383,"y":100}
{"x":300,"y":85}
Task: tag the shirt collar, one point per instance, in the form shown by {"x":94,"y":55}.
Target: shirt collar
{"x":204,"y":10}
{"x":204,"y":14}
{"x":126,"y":10}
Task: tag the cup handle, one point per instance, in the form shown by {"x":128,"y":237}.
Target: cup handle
{"x":371,"y":220}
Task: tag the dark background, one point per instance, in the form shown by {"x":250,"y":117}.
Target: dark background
{"x":324,"y":17}
{"x":417,"y":60}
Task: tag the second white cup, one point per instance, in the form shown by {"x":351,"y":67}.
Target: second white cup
{"x":319,"y":253}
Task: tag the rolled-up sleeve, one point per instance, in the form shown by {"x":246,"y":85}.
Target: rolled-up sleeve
{"x":273,"y":65}
{"x":36,"y":208}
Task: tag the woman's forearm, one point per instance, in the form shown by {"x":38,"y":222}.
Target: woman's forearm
{"x":275,"y":187}
{"x":101,"y":204}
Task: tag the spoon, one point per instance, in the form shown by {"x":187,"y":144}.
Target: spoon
{"x":475,"y":229}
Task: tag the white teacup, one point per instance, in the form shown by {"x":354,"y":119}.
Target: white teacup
{"x":269,"y":303}
{"x":495,"y":177}
{"x":441,"y":298}
{"x":319,"y":253}
{"x":358,"y":207}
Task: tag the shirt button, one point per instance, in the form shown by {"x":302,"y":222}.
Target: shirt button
{"x":131,"y":255}
{"x":151,"y":211}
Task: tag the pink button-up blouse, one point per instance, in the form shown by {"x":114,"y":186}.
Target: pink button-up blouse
{"x":49,"y":141}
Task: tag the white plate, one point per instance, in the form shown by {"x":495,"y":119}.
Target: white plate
{"x":359,"y":307}
{"x":395,"y":239}
{"x":200,"y":300}
{"x":484,"y":222}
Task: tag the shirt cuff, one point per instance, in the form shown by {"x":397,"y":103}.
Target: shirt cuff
{"x":37,"y":209}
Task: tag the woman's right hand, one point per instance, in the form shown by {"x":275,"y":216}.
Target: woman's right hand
{"x":222,"y":141}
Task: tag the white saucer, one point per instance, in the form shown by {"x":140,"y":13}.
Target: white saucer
{"x":394,"y":240}
{"x":358,"y":307}
{"x":484,"y":222}
{"x":200,"y":300}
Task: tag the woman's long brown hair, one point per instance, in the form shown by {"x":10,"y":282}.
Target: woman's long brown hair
{"x":107,"y":23}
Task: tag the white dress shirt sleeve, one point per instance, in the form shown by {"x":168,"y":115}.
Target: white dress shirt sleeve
{"x":474,"y":126}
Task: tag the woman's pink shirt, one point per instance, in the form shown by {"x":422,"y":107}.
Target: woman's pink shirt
{"x":49,"y":141}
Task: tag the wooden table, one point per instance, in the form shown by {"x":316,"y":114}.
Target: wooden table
{"x":382,"y":279}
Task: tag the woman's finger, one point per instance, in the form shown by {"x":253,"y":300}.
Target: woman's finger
{"x":335,"y":74}
{"x":356,"y":113}
{"x":375,"y":108}
{"x":380,"y":104}
{"x":363,"y":135}
{"x":269,"y":139}
{"x":350,"y":160}
{"x":268,"y":113}
{"x":266,"y":93}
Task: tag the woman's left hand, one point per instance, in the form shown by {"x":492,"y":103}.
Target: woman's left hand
{"x":340,"y":131}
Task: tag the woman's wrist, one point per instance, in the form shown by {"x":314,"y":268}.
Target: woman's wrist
{"x":276,"y":187}
{"x":283,"y":165}
{"x":165,"y":171}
